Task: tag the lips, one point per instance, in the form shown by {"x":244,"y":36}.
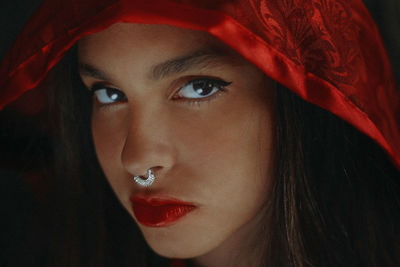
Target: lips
{"x":157,"y":212}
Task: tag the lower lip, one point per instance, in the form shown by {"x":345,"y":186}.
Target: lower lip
{"x":159,"y":212}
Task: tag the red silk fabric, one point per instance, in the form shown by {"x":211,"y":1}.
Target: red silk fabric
{"x":327,"y":51}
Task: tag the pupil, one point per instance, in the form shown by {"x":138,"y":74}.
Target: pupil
{"x":112,"y":94}
{"x":203,"y":87}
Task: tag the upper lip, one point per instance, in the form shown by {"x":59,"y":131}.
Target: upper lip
{"x":153,"y":200}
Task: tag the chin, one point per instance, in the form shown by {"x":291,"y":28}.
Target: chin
{"x":179,"y":244}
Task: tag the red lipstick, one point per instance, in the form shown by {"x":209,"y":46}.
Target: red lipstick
{"x":159,"y":212}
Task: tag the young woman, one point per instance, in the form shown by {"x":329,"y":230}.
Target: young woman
{"x":177,"y":143}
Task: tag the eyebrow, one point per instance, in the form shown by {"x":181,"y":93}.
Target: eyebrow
{"x":200,"y":59}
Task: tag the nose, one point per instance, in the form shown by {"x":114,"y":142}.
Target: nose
{"x":147,"y":145}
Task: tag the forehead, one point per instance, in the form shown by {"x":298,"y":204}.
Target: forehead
{"x":147,"y":51}
{"x":122,"y":39}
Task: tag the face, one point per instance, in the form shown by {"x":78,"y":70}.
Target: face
{"x":200,"y":116}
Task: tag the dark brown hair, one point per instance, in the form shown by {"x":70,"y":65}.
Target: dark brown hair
{"x":337,"y":194}
{"x":335,"y":200}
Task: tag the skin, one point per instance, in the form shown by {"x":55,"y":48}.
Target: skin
{"x":216,"y":154}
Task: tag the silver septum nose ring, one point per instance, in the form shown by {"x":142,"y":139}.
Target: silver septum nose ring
{"x":143,"y":181}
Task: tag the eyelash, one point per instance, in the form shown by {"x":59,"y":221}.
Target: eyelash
{"x":217,"y":83}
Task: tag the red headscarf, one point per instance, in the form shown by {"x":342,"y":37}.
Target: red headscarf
{"x":327,"y":51}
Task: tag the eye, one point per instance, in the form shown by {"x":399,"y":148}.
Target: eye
{"x":106,"y":95}
{"x":201,"y":88}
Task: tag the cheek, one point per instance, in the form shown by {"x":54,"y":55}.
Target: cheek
{"x":228,"y":141}
{"x":108,"y":136}
{"x":229,"y":158}
{"x":227,"y":161}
